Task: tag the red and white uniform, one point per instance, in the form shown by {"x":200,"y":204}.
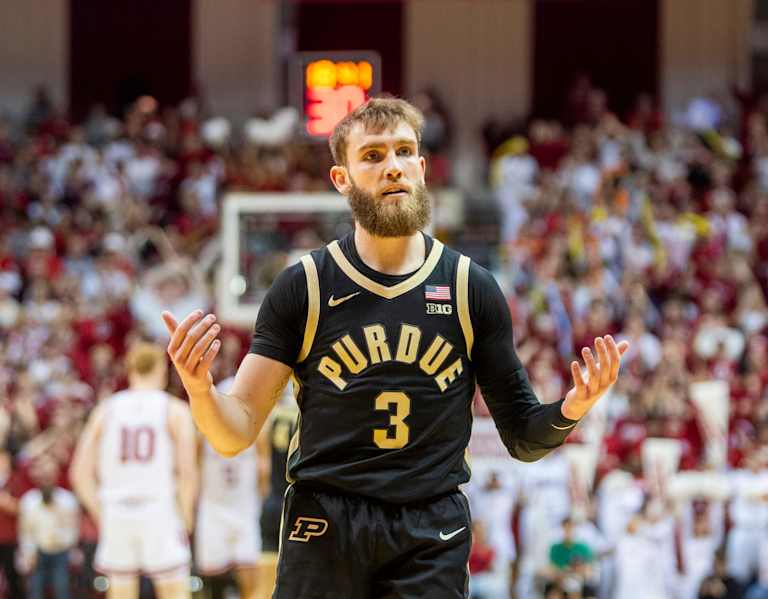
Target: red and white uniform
{"x":142,"y":530}
{"x":227,"y":534}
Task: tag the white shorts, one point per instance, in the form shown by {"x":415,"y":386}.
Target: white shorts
{"x":225,"y":538}
{"x":142,"y":538}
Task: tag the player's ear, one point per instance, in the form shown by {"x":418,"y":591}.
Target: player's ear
{"x":340,"y":179}
{"x":423,"y":165}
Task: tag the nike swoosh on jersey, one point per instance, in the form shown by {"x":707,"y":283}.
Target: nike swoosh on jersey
{"x":335,"y":302}
{"x":450,"y":535}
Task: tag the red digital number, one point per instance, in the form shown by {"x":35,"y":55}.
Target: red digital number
{"x":137,"y":444}
{"x":328,"y":106}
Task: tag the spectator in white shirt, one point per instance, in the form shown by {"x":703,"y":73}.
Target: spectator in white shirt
{"x":49,"y":528}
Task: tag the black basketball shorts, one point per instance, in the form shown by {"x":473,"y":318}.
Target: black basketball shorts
{"x":338,"y":546}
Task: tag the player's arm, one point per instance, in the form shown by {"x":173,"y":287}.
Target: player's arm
{"x":182,"y":430}
{"x":528,"y":428}
{"x":232,"y":421}
{"x":83,"y":473}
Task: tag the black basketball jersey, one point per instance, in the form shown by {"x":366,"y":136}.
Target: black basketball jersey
{"x":283,"y":423}
{"x":384,"y":379}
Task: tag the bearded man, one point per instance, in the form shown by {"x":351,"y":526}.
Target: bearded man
{"x":385,"y":333}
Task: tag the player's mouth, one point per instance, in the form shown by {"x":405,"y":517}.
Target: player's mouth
{"x":399,"y":191}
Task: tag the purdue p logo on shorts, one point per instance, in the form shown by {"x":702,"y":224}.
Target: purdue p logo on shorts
{"x":306,"y":528}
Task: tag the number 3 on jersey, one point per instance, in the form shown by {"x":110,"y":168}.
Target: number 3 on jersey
{"x":402,"y":403}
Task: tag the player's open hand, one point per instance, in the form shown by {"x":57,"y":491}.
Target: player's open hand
{"x":192,"y":348}
{"x":600,"y":376}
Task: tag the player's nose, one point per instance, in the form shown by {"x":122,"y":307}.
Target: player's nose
{"x":392,"y":169}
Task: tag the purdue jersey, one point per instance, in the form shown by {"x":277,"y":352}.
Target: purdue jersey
{"x":136,"y":459}
{"x":384,"y":379}
{"x":282,"y":428}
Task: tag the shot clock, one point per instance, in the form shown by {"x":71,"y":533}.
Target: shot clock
{"x":326,"y":86}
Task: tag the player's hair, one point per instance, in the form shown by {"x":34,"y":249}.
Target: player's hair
{"x":376,"y":115}
{"x":143,"y":358}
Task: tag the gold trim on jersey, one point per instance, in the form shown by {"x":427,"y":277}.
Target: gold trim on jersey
{"x":392,"y":292}
{"x":462,"y":303}
{"x":295,"y":439}
{"x":313,"y":310}
{"x":282,"y":522}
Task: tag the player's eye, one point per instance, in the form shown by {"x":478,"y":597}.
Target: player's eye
{"x":405,"y":151}
{"x":371,"y":156}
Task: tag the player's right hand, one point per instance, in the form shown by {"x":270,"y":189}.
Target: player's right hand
{"x":192,"y":349}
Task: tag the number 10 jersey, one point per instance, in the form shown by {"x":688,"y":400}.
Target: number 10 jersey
{"x":136,"y":456}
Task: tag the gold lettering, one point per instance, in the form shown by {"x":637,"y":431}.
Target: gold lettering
{"x":408,"y":344}
{"x":435,"y":355}
{"x":356,"y":362}
{"x":376,"y":337}
{"x":447,"y":376}
{"x":331,"y":370}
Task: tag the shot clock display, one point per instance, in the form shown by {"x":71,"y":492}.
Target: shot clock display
{"x":328,"y":85}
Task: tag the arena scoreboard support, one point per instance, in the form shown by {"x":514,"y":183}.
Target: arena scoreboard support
{"x":326,"y":86}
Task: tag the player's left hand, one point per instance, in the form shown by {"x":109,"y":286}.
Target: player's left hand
{"x":600,"y":376}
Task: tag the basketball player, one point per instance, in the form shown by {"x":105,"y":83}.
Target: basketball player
{"x":273,"y":451}
{"x":135,"y":471}
{"x":385,"y":332}
{"x":226,"y":534}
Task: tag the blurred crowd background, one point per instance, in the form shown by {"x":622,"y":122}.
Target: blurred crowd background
{"x":603,"y":216}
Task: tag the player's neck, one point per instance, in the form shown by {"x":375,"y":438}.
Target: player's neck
{"x":390,"y":255}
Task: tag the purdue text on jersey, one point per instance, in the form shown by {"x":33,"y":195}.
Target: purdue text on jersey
{"x":429,"y":362}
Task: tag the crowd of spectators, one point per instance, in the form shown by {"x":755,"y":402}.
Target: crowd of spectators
{"x":104,"y":224}
{"x":650,"y":229}
{"x":653,"y":228}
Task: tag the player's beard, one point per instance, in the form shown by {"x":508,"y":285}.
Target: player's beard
{"x":386,"y":218}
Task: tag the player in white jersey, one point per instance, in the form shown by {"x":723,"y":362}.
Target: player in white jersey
{"x":135,"y":472}
{"x":227,"y":531}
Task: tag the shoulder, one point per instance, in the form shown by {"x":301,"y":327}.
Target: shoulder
{"x":478,"y":275}
{"x":481,"y":278}
{"x":292,"y":274}
{"x":290,"y":284}
{"x":446,"y":251}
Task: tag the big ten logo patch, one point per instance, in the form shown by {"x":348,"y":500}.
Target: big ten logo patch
{"x":306,"y":528}
{"x":439,"y":309}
